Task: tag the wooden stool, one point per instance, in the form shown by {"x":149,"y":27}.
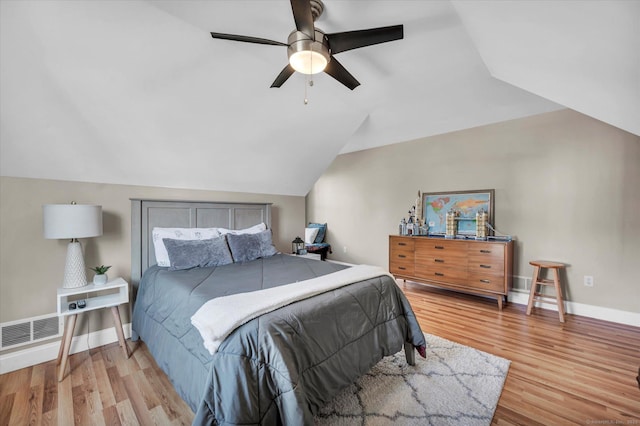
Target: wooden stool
{"x":538,"y":266}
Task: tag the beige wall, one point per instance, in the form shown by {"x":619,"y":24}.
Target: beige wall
{"x":567,"y":187}
{"x":31,"y":267}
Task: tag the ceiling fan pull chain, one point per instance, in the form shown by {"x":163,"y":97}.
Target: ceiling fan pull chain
{"x":308,"y":77}
{"x":311,"y":65}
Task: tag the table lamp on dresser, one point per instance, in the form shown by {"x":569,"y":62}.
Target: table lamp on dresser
{"x":72,"y":221}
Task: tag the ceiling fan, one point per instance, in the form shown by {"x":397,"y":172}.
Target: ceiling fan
{"x":311,"y":50}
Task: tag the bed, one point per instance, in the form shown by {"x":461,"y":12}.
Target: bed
{"x":282,"y":366}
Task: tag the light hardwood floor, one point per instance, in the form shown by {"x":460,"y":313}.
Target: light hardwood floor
{"x":580,"y":372}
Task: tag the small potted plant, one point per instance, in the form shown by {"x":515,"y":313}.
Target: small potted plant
{"x":101,"y":274}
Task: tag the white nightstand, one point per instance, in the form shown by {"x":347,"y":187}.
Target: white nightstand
{"x":109,"y":295}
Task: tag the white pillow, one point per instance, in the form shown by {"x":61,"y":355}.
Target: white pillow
{"x":162,"y":257}
{"x":255,"y":229}
{"x":310,"y":235}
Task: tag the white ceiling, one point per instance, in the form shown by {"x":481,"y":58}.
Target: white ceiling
{"x":137,"y":92}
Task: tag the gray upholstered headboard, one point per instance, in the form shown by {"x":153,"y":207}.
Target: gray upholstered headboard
{"x":147,"y":214}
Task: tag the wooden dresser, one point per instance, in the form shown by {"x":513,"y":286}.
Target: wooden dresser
{"x":470,"y":266}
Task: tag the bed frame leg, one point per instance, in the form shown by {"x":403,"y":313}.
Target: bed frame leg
{"x":409,"y":353}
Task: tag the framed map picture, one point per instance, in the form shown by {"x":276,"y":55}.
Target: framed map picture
{"x":435,"y":206}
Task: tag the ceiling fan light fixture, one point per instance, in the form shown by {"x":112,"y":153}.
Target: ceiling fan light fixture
{"x":308,"y":56}
{"x":308,"y":62}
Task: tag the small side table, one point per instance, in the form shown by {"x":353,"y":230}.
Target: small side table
{"x":109,"y":295}
{"x":321,"y":249}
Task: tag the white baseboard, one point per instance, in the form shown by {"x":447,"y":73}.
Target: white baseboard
{"x":340,"y":263}
{"x":46,"y":352}
{"x":591,"y":311}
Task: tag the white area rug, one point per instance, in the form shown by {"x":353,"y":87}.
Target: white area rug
{"x":454,"y":385}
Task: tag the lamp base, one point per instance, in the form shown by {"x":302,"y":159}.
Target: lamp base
{"x":74,"y":270}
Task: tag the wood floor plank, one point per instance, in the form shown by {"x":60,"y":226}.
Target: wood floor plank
{"x":147,"y":392}
{"x":75,"y":368}
{"x":20,"y":411}
{"x":579,"y":372}
{"x":126,"y":414}
{"x":117,"y":386}
{"x":125,"y":366}
{"x":65,"y":402}
{"x":111,"y":417}
{"x":80,"y":404}
{"x":14,"y":381}
{"x":158,"y":416}
{"x":137,"y":401}
{"x":172,"y":406}
{"x":94,"y":403}
{"x":37,"y":375}
{"x":36,"y":394}
{"x":6,"y":406}
{"x":104,"y":385}
{"x":50,"y":399}
{"x":184,"y":420}
{"x":142,"y":357}
{"x":50,"y":418}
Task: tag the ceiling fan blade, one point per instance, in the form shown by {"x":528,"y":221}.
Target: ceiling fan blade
{"x":283,"y":76}
{"x":247,"y":39}
{"x":303,"y":17}
{"x":348,"y":40}
{"x":340,"y":73}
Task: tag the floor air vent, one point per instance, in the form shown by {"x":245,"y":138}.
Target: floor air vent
{"x":30,"y":330}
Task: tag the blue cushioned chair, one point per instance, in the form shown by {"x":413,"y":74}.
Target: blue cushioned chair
{"x":319,"y":245}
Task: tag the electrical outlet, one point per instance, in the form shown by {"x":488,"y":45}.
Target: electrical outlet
{"x":588,"y":281}
{"x":344,"y":249}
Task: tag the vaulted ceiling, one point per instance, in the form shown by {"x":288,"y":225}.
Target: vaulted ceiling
{"x":137,"y":92}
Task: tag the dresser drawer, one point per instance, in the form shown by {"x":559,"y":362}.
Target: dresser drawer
{"x":486,"y":251}
{"x":486,"y":258}
{"x":441,"y":246}
{"x":441,"y":262}
{"x":486,"y":267}
{"x":443,"y":252}
{"x":401,"y":267}
{"x":401,"y":243}
{"x":401,"y":256}
{"x":441,"y":273}
{"x":486,"y":282}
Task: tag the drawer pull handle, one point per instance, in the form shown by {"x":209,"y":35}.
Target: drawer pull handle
{"x":438,"y":260}
{"x":438,"y":274}
{"x":485,"y":251}
{"x":485,"y":281}
{"x":486,"y":266}
{"x":402,"y":244}
{"x":402,"y":268}
{"x":440,"y":247}
{"x":402,"y":256}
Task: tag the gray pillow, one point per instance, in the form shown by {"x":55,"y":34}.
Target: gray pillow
{"x":187,"y":254}
{"x":246,"y":247}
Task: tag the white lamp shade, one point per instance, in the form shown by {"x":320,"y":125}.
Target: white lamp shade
{"x":72,"y":221}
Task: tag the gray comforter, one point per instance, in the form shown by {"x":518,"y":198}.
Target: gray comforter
{"x":279,"y":368}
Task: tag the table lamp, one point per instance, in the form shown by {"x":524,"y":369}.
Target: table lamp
{"x":72,"y":221}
